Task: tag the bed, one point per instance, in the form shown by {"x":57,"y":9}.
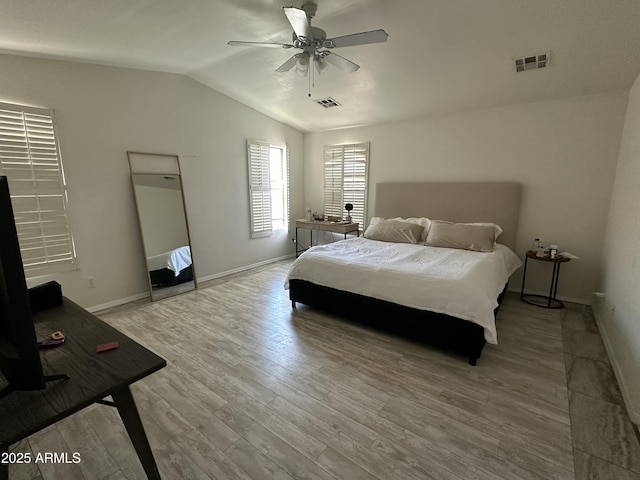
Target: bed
{"x":170,"y":268}
{"x":374,"y":281}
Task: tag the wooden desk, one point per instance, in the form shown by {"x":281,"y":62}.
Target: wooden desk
{"x":92,"y":377}
{"x":311,"y":225}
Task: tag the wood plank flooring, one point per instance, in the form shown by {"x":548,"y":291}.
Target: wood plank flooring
{"x":257,"y":390}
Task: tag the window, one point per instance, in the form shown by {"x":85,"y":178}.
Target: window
{"x":345,"y":180}
{"x":278,"y":166}
{"x":30,"y":158}
{"x":268,"y":188}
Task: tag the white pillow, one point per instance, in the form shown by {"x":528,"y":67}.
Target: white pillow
{"x":395,"y":231}
{"x":479,"y":238}
{"x":497,"y":228}
{"x":422,"y":221}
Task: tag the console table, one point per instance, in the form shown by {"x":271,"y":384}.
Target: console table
{"x":92,"y":377}
{"x":325,"y":226}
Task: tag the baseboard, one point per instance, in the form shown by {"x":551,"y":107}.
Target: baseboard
{"x":632,"y":410}
{"x":140,"y":296}
{"x":580,"y":301}
{"x":244,"y":268}
{"x":117,"y":303}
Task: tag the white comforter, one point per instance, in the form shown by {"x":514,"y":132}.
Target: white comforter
{"x":455,"y":282}
{"x":175,"y":260}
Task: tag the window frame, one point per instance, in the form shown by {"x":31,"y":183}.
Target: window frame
{"x":282,"y":185}
{"x":346,"y":166}
{"x":261,"y":188}
{"x":31,"y":159}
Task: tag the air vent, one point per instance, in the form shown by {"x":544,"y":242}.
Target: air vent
{"x":327,"y":102}
{"x":532,"y":62}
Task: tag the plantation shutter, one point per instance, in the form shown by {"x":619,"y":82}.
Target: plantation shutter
{"x":30,"y":159}
{"x":259,"y":188}
{"x":288,"y":202}
{"x":345,"y":180}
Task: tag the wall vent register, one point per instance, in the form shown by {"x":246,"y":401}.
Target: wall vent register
{"x":532,"y":62}
{"x":327,"y":102}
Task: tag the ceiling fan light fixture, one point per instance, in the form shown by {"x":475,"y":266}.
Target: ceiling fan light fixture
{"x":302,"y":64}
{"x":320,"y":64}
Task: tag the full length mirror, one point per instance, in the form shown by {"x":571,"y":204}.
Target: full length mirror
{"x":163,"y":224}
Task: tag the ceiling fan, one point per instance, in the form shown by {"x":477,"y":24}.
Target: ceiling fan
{"x":316,"y":47}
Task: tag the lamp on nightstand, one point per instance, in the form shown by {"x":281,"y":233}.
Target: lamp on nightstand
{"x":348,"y":207}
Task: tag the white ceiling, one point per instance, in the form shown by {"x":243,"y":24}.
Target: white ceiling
{"x":442,"y":56}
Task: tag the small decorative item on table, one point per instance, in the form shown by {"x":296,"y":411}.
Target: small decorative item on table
{"x":348,"y":207}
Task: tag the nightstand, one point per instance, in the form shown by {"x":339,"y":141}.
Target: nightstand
{"x":324,"y":226}
{"x":540,"y":300}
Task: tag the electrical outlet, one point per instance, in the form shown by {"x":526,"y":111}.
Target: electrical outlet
{"x":91,"y":281}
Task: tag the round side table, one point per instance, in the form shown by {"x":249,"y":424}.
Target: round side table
{"x":540,"y":300}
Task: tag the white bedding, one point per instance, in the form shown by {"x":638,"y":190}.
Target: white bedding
{"x":455,"y":282}
{"x":175,"y":260}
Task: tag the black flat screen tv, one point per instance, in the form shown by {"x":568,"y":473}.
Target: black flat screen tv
{"x":19,"y":355}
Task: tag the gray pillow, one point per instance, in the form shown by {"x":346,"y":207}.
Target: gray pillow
{"x":395,"y":231}
{"x":479,"y":238}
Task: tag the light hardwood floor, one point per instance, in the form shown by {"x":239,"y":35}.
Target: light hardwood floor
{"x":256,"y":390}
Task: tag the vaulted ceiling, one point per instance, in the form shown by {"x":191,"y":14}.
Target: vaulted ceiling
{"x":442,"y":56}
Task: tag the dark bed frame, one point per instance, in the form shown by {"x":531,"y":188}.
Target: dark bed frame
{"x":437,"y":329}
{"x":165,"y":277}
{"x":497,"y":202}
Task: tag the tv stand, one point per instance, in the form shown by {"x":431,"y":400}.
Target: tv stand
{"x":91,"y":377}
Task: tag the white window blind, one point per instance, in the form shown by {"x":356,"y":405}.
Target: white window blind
{"x":30,"y":159}
{"x":288,"y":187}
{"x":278,"y":186}
{"x":345,"y":180}
{"x":259,"y":188}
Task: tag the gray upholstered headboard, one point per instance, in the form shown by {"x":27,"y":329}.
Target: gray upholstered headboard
{"x":497,"y":202}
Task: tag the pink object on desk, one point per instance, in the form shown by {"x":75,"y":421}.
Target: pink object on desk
{"x":105,"y":347}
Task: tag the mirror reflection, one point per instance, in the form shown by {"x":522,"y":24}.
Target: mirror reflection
{"x":165,"y":233}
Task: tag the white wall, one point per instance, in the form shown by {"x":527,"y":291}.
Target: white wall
{"x":563,"y":152}
{"x":101,"y":113}
{"x":619,"y":313}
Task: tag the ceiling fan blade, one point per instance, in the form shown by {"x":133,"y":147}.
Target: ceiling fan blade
{"x":234,"y":43}
{"x":341,"y":62}
{"x":288,"y":65}
{"x":364,"y":38}
{"x":299,"y":23}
